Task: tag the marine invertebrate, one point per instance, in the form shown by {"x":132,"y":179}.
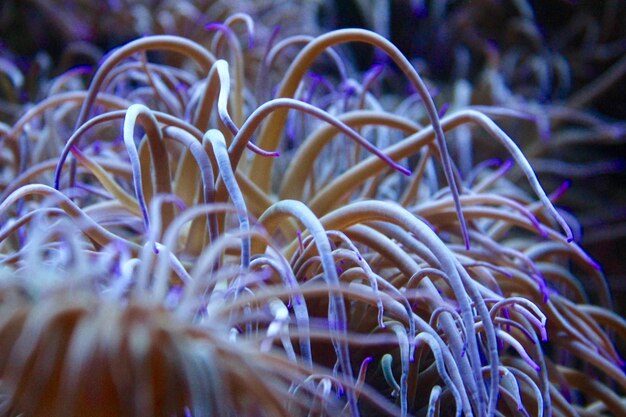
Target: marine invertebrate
{"x":315,"y":238}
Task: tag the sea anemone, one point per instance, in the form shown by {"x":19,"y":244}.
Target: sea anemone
{"x":203,"y":231}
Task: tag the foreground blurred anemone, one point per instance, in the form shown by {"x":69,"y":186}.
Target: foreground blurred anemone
{"x":75,"y":354}
{"x":171,"y":251}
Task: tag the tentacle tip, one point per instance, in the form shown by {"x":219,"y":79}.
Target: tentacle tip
{"x":377,"y":68}
{"x":543,"y":332}
{"x":561,"y":190}
{"x":262,"y":152}
{"x":213,"y":26}
{"x":444,"y":109}
{"x":466,"y":239}
{"x":595,"y":265}
{"x":405,"y":171}
{"x":569,"y":233}
{"x":83,"y":69}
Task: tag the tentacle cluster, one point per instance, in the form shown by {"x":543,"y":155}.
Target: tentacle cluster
{"x":202,"y":243}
